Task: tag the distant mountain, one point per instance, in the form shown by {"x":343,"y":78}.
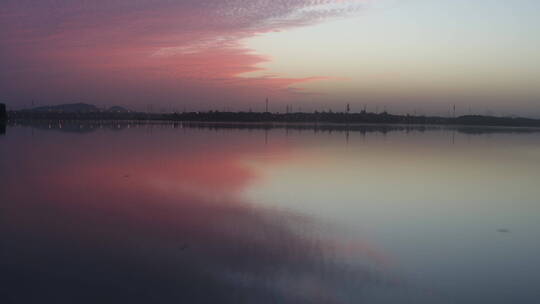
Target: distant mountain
{"x":78,"y":108}
{"x":68,"y":108}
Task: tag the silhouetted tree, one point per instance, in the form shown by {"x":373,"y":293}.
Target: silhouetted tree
{"x":3,"y":114}
{"x":3,"y":117}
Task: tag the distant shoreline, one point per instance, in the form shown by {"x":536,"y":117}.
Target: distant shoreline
{"x":280,"y":119}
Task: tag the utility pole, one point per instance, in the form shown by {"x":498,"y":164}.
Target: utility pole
{"x":348,"y":108}
{"x":266,"y":105}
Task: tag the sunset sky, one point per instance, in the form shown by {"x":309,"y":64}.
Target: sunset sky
{"x":402,"y":55}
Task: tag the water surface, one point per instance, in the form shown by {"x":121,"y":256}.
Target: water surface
{"x":163,"y":213}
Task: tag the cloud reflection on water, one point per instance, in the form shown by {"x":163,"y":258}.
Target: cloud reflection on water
{"x":111,"y":218}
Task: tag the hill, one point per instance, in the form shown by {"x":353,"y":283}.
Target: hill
{"x":77,"y":108}
{"x":68,"y":108}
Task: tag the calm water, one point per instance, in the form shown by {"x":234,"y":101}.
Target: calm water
{"x":173,"y":214}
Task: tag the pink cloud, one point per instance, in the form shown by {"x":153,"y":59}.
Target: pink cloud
{"x":153,"y":51}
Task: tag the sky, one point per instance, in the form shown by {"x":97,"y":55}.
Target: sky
{"x":405,"y":56}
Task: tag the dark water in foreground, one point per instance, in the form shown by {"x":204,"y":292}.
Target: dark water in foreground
{"x":163,"y":214}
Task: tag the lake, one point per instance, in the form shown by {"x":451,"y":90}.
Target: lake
{"x":186,"y":213}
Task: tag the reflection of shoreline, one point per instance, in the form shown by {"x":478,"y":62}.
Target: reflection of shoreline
{"x":2,"y":127}
{"x":85,"y":126}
